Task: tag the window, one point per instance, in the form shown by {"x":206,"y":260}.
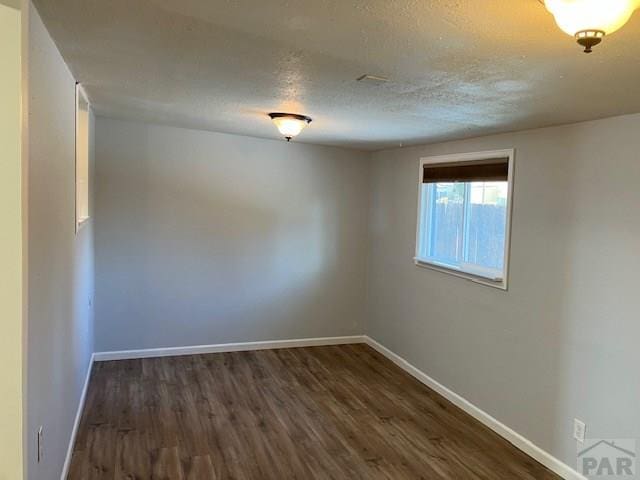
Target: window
{"x":464,"y":215}
{"x":82,"y":158}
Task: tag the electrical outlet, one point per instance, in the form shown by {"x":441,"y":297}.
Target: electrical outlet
{"x":579,"y":430}
{"x":40,"y":443}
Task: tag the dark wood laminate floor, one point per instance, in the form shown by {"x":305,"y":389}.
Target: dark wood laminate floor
{"x":341,"y":412}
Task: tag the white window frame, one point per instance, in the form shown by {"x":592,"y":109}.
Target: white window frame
{"x":82,"y":159}
{"x":452,"y":270}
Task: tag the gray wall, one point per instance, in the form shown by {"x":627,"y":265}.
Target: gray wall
{"x":60,"y":263}
{"x":563,"y":341}
{"x":205,"y":238}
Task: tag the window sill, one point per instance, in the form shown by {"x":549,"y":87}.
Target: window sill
{"x":499,"y":284}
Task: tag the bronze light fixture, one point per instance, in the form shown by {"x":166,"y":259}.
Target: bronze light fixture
{"x":589,"y":21}
{"x":290,"y":124}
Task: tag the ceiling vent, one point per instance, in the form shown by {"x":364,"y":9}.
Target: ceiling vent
{"x":373,"y":80}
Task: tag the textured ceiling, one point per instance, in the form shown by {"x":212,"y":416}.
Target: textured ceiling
{"x":458,"y":68}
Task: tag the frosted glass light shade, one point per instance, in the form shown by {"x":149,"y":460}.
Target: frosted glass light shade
{"x":574,"y":16}
{"x":290,"y":125}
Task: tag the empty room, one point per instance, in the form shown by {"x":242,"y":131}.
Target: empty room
{"x":336,"y":239}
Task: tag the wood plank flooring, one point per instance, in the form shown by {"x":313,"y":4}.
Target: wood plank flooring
{"x":340,"y":412}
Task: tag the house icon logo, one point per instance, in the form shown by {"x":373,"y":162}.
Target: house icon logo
{"x":607,"y":458}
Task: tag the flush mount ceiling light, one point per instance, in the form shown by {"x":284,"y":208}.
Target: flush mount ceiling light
{"x":590,"y":20}
{"x":290,"y":124}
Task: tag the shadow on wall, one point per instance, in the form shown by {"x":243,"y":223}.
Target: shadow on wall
{"x":206,"y":258}
{"x":562,"y":342}
{"x":599,"y":328}
{"x":203,"y":250}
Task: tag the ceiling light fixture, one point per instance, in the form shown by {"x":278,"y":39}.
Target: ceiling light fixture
{"x":590,"y":20}
{"x":290,"y":124}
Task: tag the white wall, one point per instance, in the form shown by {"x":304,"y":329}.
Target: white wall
{"x":205,"y":238}
{"x":563,"y":341}
{"x":11,"y":251}
{"x":60,"y":270}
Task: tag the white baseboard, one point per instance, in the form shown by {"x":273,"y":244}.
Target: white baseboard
{"x":226,"y":347}
{"x":76,"y":422}
{"x":528,"y":447}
